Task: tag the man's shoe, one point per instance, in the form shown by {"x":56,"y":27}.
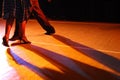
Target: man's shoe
{"x":5,"y":42}
{"x":50,"y":30}
{"x":49,"y":33}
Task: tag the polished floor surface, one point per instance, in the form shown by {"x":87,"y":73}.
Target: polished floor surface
{"x":77,"y":51}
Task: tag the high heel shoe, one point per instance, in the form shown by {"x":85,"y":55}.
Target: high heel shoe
{"x":14,"y":38}
{"x":5,"y":42}
{"x":24,"y":41}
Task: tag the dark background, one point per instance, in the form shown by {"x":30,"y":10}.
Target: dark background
{"x":82,"y":10}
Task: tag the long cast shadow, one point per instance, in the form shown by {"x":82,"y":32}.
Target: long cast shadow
{"x":65,"y":64}
{"x":21,"y":61}
{"x":49,"y":74}
{"x":106,"y":60}
{"x":73,"y":69}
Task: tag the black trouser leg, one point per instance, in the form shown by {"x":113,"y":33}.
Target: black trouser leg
{"x":1,"y":4}
{"x":41,"y":18}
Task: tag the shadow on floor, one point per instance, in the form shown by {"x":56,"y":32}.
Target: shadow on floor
{"x":105,"y":59}
{"x":73,"y":70}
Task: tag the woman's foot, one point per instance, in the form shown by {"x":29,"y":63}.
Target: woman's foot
{"x":14,"y":38}
{"x":24,"y":40}
{"x":5,"y":42}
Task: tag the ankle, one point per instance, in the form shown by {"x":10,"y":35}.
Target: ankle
{"x":5,"y":37}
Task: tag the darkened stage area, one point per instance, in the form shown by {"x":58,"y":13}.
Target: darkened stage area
{"x":81,"y":10}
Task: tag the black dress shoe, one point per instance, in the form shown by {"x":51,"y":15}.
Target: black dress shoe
{"x":5,"y":42}
{"x":49,"y":33}
{"x":50,"y":30}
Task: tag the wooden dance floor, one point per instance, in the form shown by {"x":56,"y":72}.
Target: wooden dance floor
{"x":77,"y":51}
